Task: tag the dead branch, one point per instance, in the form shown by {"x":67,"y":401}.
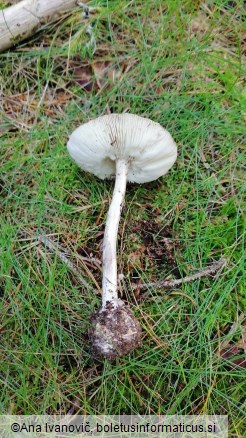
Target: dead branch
{"x":53,"y":247}
{"x":23,"y":19}
{"x":166,"y":284}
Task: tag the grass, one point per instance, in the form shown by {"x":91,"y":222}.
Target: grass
{"x":180,"y":64}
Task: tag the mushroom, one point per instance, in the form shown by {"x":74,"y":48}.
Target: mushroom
{"x":129,"y":148}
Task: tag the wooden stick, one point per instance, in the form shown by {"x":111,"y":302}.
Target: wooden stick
{"x":23,"y":19}
{"x":47,"y":242}
{"x":209,"y":270}
{"x":166,"y":284}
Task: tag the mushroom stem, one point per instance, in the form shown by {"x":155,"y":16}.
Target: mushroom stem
{"x":109,"y":282}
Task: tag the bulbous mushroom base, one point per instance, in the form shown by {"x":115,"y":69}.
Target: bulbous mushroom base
{"x":114,"y":331}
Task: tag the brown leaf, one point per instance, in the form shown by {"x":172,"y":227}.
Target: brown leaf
{"x":105,"y":72}
{"x":135,"y":258}
{"x":82,"y":74}
{"x":200,"y":23}
{"x":234,"y":352}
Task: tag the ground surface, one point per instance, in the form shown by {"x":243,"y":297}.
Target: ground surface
{"x":181,"y":64}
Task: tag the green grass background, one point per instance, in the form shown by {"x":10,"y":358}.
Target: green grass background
{"x":181,"y":64}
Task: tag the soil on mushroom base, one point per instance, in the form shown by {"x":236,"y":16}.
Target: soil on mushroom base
{"x":114,"y":332}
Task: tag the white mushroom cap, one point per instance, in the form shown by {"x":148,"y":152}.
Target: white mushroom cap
{"x":149,"y":149}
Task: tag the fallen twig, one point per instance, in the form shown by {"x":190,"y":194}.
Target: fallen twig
{"x":209,"y":270}
{"x":166,"y":284}
{"x":55,"y":248}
